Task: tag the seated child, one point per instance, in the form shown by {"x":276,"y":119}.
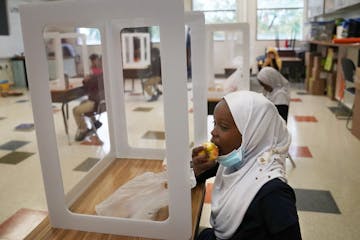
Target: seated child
{"x":276,"y":89}
{"x":251,"y":198}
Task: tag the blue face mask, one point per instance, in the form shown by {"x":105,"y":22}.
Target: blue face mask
{"x":232,"y":159}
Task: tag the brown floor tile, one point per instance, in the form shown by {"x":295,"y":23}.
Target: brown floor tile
{"x":300,"y":151}
{"x":87,"y":164}
{"x":305,"y":119}
{"x":19,"y":225}
{"x":15,"y":157}
{"x":143,"y":109}
{"x":55,"y":110}
{"x":295,"y":100}
{"x":92,"y":141}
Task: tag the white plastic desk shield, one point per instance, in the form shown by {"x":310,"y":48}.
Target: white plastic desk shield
{"x":128,"y":55}
{"x":56,"y":36}
{"x":110,"y":16}
{"x":196,"y":22}
{"x":235,"y":48}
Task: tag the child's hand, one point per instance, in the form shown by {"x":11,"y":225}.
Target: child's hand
{"x":201,"y":160}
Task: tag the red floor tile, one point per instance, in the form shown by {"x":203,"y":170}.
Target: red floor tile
{"x":92,"y":140}
{"x":305,"y":119}
{"x":295,"y":100}
{"x":300,"y":151}
{"x":19,"y":225}
{"x":209,"y":187}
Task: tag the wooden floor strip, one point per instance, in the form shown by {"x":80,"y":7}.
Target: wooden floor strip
{"x":19,"y":225}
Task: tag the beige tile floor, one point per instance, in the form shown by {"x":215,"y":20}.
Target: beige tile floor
{"x":334,"y":166}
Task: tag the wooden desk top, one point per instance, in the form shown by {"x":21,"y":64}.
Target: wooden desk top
{"x":134,"y":73}
{"x":331,"y":44}
{"x":59,"y":85}
{"x":117,"y":174}
{"x":61,"y":95}
{"x":291,"y":59}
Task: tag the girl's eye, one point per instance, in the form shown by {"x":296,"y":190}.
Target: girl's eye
{"x":223,"y":128}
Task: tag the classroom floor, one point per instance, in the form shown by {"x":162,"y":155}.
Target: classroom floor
{"x":326,"y":154}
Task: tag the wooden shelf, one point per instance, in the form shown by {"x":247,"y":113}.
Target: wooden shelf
{"x":330,"y":44}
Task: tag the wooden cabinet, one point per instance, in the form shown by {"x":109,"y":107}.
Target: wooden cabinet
{"x":321,"y":68}
{"x":320,"y":54}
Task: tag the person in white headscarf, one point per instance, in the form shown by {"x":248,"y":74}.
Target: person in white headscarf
{"x":276,"y":89}
{"x":251,"y":198}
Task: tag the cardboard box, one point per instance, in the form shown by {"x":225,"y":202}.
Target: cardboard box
{"x":317,"y":61}
{"x":307,"y":78}
{"x":309,"y":58}
{"x":317,"y":86}
{"x":308,"y":72}
{"x":330,"y":85}
{"x":315,"y":73}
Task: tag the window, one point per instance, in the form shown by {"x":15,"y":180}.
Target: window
{"x":92,"y":36}
{"x":279,"y":19}
{"x":216,"y":11}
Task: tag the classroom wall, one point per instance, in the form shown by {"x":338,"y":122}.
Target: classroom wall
{"x":12,"y":44}
{"x":246,"y":12}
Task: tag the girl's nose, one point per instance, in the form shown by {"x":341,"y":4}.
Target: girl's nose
{"x":213,"y":132}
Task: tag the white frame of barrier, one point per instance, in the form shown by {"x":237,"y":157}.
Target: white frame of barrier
{"x":111,"y":17}
{"x":59,"y":54}
{"x":228,"y":29}
{"x":128,"y":50}
{"x":196,"y":22}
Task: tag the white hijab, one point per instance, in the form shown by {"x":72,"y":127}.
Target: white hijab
{"x":265,"y":141}
{"x":280,"y":94}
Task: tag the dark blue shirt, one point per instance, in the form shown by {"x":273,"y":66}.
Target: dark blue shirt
{"x":272,"y":214}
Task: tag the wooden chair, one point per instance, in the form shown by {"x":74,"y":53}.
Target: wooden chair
{"x":95,"y":118}
{"x":348,"y":71}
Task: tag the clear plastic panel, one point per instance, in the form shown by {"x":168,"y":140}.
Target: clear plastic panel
{"x":78,"y":99}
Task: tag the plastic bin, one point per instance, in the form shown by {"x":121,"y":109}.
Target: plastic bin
{"x":322,"y":31}
{"x":4,"y":85}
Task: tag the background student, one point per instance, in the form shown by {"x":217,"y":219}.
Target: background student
{"x":276,"y":89}
{"x":272,"y":59}
{"x":153,"y":78}
{"x":94,"y":87}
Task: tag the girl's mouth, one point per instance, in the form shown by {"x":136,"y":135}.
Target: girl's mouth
{"x":219,"y":148}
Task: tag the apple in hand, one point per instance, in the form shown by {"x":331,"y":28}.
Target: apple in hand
{"x":211,"y":150}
